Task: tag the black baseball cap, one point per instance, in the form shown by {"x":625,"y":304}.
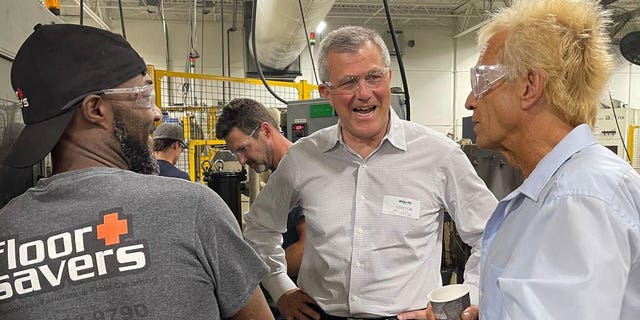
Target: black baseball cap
{"x":54,"y":70}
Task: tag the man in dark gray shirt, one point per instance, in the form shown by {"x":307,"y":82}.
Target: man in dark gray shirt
{"x":98,"y":240}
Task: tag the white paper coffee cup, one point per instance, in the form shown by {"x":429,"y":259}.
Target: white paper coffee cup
{"x":449,"y":302}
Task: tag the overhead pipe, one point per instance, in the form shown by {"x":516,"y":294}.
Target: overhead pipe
{"x":168,"y":52}
{"x":93,"y":16}
{"x":224,"y":86}
{"x":233,"y":28}
{"x":190,"y":86}
{"x":222,"y":38}
{"x":472,"y":29}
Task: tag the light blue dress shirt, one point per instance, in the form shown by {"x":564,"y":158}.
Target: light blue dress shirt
{"x":565,"y":244}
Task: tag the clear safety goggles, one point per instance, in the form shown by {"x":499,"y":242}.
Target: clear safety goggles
{"x":144,"y":96}
{"x":349,"y":85}
{"x":243,"y":146}
{"x":486,"y":77}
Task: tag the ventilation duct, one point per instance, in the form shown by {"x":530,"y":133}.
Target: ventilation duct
{"x":280,"y":34}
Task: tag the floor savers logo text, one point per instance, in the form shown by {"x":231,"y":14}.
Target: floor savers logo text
{"x":102,"y":249}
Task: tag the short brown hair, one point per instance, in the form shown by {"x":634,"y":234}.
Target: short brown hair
{"x":244,"y":114}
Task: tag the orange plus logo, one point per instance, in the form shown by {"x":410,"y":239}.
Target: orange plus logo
{"x":111,"y":228}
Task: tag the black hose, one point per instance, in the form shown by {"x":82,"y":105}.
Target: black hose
{"x":306,"y":33}
{"x":224,"y":87}
{"x":124,"y":34}
{"x":254,"y":11}
{"x":400,"y":63}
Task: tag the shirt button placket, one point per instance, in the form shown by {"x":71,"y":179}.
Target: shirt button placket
{"x":358,"y":270}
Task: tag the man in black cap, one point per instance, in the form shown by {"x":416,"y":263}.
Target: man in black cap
{"x":168,"y":145}
{"x":97,"y":240}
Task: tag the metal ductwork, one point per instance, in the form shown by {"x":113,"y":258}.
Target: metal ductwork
{"x":280,"y":34}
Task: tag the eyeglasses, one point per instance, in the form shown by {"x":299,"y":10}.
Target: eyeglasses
{"x":485,"y":77}
{"x":349,"y":85}
{"x":243,"y":147}
{"x":145,"y":95}
{"x":182,"y":145}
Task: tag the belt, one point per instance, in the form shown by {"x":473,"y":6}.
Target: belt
{"x":325,"y":316}
{"x":330,"y":317}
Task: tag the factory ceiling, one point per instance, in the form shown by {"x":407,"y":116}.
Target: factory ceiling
{"x":460,"y":16}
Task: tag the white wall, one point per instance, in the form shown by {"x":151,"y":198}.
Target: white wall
{"x":466,"y":56}
{"x":625,"y":84}
{"x":147,"y":37}
{"x":429,"y":68}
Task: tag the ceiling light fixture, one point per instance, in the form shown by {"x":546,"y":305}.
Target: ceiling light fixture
{"x":321,"y":26}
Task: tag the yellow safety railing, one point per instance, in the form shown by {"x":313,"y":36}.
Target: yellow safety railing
{"x":193,"y":100}
{"x":633,"y":146}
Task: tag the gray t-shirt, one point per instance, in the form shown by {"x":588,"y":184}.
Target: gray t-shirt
{"x":104,"y":243}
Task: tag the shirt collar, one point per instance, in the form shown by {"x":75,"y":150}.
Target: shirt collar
{"x":395,"y":134}
{"x":578,"y":139}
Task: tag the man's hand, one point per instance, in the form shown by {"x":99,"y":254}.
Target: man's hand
{"x":418,"y":314}
{"x":293,"y":305}
{"x":470,"y":313}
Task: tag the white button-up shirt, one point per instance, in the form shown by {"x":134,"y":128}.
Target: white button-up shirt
{"x":566,"y":244}
{"x":374,"y":225}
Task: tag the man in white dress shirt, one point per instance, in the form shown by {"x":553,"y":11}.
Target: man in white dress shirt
{"x":374,"y":189}
{"x":565,"y":244}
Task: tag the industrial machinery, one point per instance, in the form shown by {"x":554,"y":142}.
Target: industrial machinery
{"x":606,"y":128}
{"x":305,"y":117}
{"x":228,"y":184}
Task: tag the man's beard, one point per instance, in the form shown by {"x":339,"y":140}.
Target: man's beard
{"x":259,"y":168}
{"x":263,"y":165}
{"x":137,"y":154}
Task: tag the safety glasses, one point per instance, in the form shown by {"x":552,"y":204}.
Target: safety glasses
{"x":349,"y":85}
{"x":144,"y":96}
{"x":486,"y":77}
{"x":243,"y":146}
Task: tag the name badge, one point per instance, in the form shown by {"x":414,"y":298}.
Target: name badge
{"x":404,"y":207}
